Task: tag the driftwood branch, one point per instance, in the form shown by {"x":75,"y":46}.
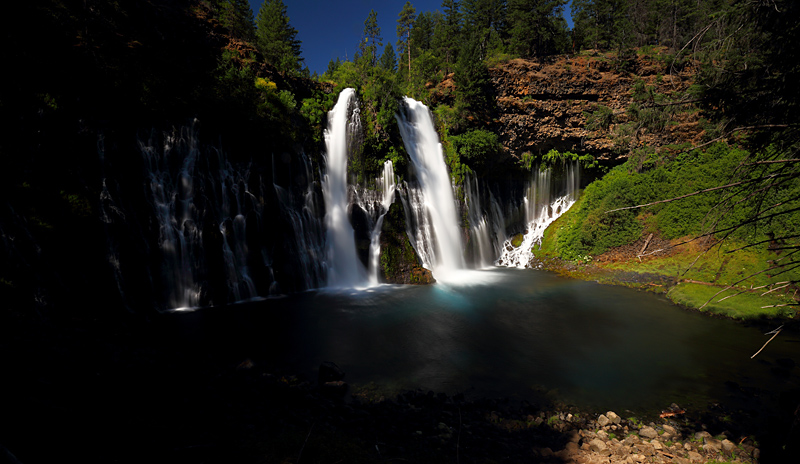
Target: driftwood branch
{"x":646,"y":242}
{"x":776,"y":331}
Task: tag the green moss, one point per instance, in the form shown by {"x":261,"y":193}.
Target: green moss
{"x":743,"y":306}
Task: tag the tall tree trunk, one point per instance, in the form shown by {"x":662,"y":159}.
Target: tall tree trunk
{"x":409,"y":56}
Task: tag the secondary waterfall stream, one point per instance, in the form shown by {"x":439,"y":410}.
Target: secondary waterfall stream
{"x":540,"y":212}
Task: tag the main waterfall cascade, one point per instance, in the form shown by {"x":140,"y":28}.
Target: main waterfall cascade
{"x":344,"y":268}
{"x":430,"y":204}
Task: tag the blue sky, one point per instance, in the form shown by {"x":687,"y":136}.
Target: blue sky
{"x":331,"y":28}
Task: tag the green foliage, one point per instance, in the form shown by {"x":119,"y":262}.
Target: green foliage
{"x":600,"y":119}
{"x":528,"y":160}
{"x":235,"y":80}
{"x":555,"y":158}
{"x":475,"y":147}
{"x":590,"y":229}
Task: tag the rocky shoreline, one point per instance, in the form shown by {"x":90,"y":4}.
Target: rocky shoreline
{"x":131,"y":396}
{"x":420,"y":426}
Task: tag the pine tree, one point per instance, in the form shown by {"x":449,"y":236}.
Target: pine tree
{"x":405,"y":23}
{"x":536,"y":27}
{"x":472,"y":81}
{"x":388,"y":59}
{"x":485,"y":19}
{"x":276,"y":38}
{"x":447,"y":34}
{"x":368,"y":47}
{"x":237,"y":17}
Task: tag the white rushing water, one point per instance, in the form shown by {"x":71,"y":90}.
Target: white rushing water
{"x":540,"y":212}
{"x":487,"y":223}
{"x":181,"y":194}
{"x":344,"y":268}
{"x":387,"y":187}
{"x":436,"y":232}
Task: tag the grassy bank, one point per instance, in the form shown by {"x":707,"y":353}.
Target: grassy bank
{"x":750,"y":273}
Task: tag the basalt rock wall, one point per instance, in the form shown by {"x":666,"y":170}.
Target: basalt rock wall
{"x":543,"y":105}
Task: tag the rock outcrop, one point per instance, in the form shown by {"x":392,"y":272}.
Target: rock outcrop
{"x":399,"y":263}
{"x":544,"y":105}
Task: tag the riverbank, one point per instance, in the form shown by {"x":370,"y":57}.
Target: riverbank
{"x":710,"y":277}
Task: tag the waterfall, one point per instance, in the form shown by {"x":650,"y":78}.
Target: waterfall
{"x":200,"y":204}
{"x":540,"y":212}
{"x":487,"y":226}
{"x":344,"y":268}
{"x":437,"y":236}
{"x":304,"y":240}
{"x":387,"y":184}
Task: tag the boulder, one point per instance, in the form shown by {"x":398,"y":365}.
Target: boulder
{"x":694,"y":456}
{"x":648,"y":432}
{"x":712,"y":445}
{"x":602,"y":421}
{"x":670,"y":431}
{"x":613,"y":417}
{"x":597,"y":445}
{"x":728,"y":445}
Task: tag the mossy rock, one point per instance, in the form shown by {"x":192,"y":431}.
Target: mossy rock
{"x":399,"y":262}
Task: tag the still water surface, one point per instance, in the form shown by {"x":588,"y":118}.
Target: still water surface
{"x":518,"y":333}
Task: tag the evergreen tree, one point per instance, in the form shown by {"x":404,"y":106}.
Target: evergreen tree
{"x":422,"y":32}
{"x":368,"y":47}
{"x":536,"y":27}
{"x":237,"y":17}
{"x":276,"y":39}
{"x":447,"y":34}
{"x":601,"y":24}
{"x":405,"y":23}
{"x":472,"y":81}
{"x":485,"y":19}
{"x":388,"y":58}
{"x":332,"y":67}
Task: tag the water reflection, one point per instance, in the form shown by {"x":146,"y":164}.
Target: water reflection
{"x":511,"y":331}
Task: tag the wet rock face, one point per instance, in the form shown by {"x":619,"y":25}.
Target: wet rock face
{"x":399,"y":263}
{"x":544,"y":105}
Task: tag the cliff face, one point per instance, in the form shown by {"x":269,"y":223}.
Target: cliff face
{"x":544,"y":105}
